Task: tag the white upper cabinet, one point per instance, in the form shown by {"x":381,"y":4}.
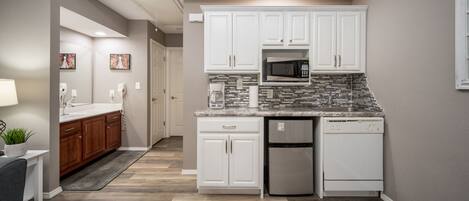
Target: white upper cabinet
{"x":272,"y":28}
{"x":324,"y":41}
{"x":297,"y":28}
{"x":339,"y":41}
{"x":218,"y":44}
{"x":245,"y":41}
{"x":231,"y":42}
{"x":349,"y":39}
{"x":285,"y":28}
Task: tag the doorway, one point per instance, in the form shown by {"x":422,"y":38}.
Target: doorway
{"x":158,"y":85}
{"x":175,"y":86}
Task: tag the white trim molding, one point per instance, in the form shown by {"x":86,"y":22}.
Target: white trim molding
{"x":461,"y":45}
{"x":53,"y":193}
{"x":189,"y":172}
{"x":384,"y":197}
{"x":133,"y":148}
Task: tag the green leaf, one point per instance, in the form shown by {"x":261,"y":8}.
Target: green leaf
{"x":16,"y":136}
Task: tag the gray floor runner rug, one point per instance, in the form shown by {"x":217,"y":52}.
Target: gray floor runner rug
{"x":97,"y":175}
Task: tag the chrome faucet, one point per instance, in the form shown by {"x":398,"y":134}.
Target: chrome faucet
{"x":64,"y":102}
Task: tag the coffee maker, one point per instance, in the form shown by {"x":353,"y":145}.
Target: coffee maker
{"x":216,"y":95}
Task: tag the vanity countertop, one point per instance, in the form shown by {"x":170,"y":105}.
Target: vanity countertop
{"x":299,"y":112}
{"x":85,"y":111}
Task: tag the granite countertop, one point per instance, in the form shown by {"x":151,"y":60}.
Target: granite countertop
{"x":300,"y":112}
{"x":91,"y":110}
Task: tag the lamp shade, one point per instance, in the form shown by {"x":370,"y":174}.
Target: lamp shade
{"x":7,"y":93}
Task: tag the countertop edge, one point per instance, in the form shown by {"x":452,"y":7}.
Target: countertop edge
{"x":89,"y":116}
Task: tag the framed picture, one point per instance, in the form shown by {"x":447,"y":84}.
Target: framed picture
{"x":68,"y":61}
{"x":119,"y":62}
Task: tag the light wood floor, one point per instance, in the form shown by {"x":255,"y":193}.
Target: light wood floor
{"x":157,"y":177}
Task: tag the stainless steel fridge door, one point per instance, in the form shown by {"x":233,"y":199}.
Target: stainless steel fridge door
{"x":291,"y":171}
{"x":290,"y":131}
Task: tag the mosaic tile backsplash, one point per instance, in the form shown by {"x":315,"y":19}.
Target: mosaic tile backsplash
{"x":350,"y":90}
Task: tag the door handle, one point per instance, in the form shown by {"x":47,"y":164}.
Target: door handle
{"x":340,"y":60}
{"x":154,"y":99}
{"x":335,"y":60}
{"x":173,"y":97}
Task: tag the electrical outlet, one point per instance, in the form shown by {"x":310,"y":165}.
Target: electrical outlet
{"x":281,"y":127}
{"x":137,"y":85}
{"x":270,"y":93}
{"x":239,"y":83}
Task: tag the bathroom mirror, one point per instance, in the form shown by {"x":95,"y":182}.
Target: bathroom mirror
{"x":76,"y":66}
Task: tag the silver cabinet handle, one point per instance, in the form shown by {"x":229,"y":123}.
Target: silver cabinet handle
{"x":291,"y":40}
{"x":226,"y":147}
{"x":281,"y":40}
{"x":335,"y":61}
{"x":234,"y":60}
{"x":229,"y":126}
{"x":229,"y":58}
{"x":340,"y":60}
{"x":231,"y":146}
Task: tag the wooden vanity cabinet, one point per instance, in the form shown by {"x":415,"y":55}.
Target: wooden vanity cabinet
{"x":84,"y":140}
{"x":113,"y":131}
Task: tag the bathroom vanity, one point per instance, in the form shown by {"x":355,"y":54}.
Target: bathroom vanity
{"x":87,"y":134}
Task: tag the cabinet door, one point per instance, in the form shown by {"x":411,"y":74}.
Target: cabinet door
{"x":297,"y":28}
{"x":212,"y":160}
{"x":70,"y":152}
{"x":272,"y":28}
{"x":94,"y":137}
{"x":246,"y":41}
{"x":244,"y":160}
{"x":324,"y":41}
{"x":113,"y":135}
{"x":349,"y":40}
{"x":218,"y":41}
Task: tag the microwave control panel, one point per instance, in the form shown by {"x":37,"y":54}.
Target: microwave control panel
{"x":305,"y":70}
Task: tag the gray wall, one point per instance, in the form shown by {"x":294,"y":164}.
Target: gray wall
{"x":99,"y":13}
{"x":31,"y":59}
{"x":136,"y":103}
{"x":411,"y":71}
{"x":81,"y":78}
{"x":195,"y":80}
{"x":174,"y":40}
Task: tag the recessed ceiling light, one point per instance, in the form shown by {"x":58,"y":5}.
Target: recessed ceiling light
{"x":100,"y":33}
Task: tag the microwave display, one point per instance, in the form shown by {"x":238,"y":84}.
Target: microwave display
{"x":277,"y":69}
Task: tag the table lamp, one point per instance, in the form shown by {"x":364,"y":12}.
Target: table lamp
{"x":7,"y":97}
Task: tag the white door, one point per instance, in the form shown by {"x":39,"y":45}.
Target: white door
{"x":348,"y":40}
{"x":218,"y":41}
{"x":176,"y":97}
{"x":272,"y":28}
{"x":158,"y":102}
{"x":244,"y":160}
{"x":324,"y":41}
{"x":353,"y":156}
{"x":297,"y":28}
{"x":246,"y":41}
{"x":212,"y":160}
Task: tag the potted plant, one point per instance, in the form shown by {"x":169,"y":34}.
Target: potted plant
{"x":15,"y":141}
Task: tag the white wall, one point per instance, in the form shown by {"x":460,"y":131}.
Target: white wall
{"x":81,"y":78}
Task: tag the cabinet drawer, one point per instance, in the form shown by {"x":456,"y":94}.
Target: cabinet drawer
{"x":70,"y":128}
{"x":230,"y":125}
{"x":113,"y":117}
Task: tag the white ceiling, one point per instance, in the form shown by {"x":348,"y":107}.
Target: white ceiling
{"x":79,"y":23}
{"x":165,"y":14}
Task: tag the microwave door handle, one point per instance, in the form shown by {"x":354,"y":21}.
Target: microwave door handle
{"x":335,"y":60}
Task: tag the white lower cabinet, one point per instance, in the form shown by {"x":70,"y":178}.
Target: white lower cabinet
{"x":228,"y":153}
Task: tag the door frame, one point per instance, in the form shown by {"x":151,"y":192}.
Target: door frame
{"x":168,"y":90}
{"x":165,"y":68}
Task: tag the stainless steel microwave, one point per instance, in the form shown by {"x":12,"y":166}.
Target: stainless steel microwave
{"x":282,"y":69}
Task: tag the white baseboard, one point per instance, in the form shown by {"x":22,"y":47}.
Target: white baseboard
{"x":52,"y":194}
{"x":133,"y":149}
{"x":189,"y":172}
{"x":385,"y":197}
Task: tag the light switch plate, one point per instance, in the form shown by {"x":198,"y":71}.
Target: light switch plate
{"x":137,"y":85}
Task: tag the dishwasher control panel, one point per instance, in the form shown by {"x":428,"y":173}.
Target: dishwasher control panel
{"x":354,"y":125}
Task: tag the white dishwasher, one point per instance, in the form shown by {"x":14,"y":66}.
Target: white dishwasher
{"x":353,"y":154}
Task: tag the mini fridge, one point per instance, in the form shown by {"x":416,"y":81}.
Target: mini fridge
{"x":290,"y":157}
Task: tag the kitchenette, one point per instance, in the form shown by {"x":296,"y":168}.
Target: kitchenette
{"x":289,"y":107}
